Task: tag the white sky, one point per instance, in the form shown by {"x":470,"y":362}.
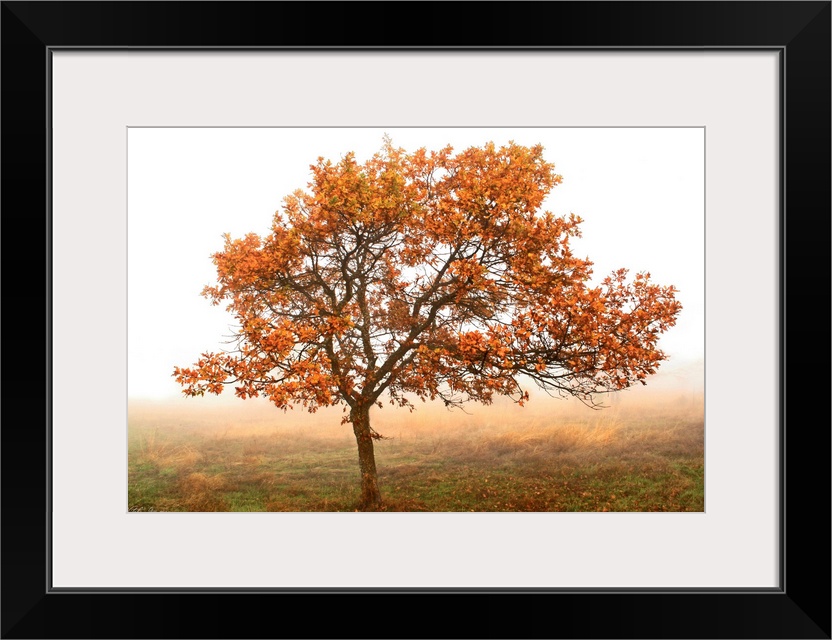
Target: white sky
{"x":640,"y":191}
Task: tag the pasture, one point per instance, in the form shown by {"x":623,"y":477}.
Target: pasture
{"x":643,"y":453}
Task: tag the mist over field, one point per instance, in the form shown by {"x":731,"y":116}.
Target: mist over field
{"x":644,"y":452}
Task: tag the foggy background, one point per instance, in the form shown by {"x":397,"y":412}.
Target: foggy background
{"x":640,"y":192}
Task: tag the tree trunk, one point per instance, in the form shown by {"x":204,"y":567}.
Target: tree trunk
{"x":370,"y":496}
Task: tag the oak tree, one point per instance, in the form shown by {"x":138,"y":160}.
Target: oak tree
{"x":431,"y":275}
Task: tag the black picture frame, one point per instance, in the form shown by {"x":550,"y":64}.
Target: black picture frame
{"x":799,"y":608}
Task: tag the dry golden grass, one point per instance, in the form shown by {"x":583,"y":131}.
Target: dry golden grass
{"x":643,"y":453}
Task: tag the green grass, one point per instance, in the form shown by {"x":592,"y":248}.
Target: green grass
{"x":647,"y":459}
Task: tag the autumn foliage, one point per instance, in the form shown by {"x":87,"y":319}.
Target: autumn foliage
{"x":431,"y":275}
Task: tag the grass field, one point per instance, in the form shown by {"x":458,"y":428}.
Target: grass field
{"x":644,"y":455}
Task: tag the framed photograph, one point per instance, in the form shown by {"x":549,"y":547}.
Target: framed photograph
{"x":691,"y":140}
